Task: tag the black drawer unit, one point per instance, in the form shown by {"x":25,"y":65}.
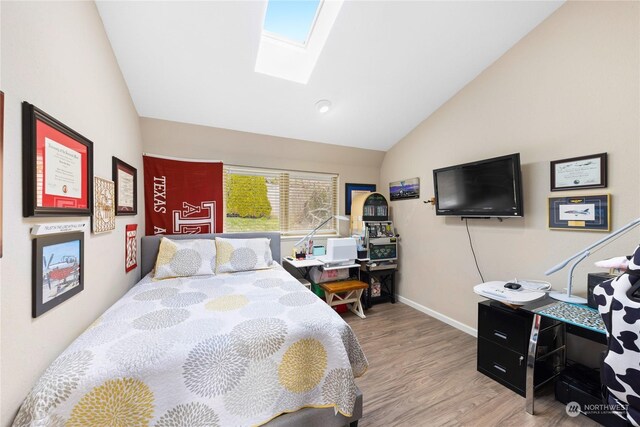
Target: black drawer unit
{"x":503,"y":340}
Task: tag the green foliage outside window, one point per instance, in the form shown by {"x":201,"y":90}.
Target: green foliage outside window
{"x":247,"y":197}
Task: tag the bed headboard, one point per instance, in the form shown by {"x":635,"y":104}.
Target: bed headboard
{"x":150,"y":245}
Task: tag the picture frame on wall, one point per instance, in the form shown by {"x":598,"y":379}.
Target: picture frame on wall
{"x":351,"y":190}
{"x":579,"y":173}
{"x":405,"y":189}
{"x":125,"y":178}
{"x":58,"y":270}
{"x":589,"y":213}
{"x":57,"y":167}
{"x":1,"y":163}
{"x":131,"y":247}
{"x":104,"y":214}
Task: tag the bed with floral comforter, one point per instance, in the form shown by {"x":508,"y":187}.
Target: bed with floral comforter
{"x":226,"y":350}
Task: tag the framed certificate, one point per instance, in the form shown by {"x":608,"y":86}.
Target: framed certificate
{"x":579,"y":172}
{"x":125,"y":178}
{"x":57,"y":167}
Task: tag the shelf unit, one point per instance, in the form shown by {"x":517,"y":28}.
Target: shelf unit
{"x":368,"y":207}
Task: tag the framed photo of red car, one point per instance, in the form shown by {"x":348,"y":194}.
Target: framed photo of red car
{"x":57,"y":167}
{"x":58,"y":270}
{"x":125,"y":178}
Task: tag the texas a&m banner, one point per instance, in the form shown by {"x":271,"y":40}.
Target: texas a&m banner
{"x":182,"y":197}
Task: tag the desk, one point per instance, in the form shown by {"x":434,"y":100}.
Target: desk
{"x":577,"y":319}
{"x":303,"y":265}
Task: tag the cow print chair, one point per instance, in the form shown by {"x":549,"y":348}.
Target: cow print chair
{"x":619,"y":305}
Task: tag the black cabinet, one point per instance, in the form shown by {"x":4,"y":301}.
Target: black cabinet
{"x":385,"y":278}
{"x":503,"y":339}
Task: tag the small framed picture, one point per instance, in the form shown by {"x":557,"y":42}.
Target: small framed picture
{"x":58,"y":270}
{"x":104,"y":216}
{"x":352,"y":190}
{"x":591,"y":213}
{"x":1,"y":162}
{"x":131,"y":247}
{"x":125,"y":178}
{"x":57,"y":167}
{"x":579,"y":172}
{"x":406,"y":189}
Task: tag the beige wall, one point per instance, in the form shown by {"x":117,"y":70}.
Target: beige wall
{"x":250,"y":149}
{"x":57,"y":56}
{"x":569,"y":88}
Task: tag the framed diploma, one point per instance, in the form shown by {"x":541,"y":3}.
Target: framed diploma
{"x":125,"y":178}
{"x":579,"y":172}
{"x":57,"y":167}
{"x":588,"y":213}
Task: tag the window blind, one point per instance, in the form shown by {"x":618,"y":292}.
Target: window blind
{"x":291,"y":202}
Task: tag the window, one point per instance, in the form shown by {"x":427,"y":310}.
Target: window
{"x":293,"y":203}
{"x":291,"y":19}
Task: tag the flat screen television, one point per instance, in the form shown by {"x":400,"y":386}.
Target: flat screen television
{"x":486,"y":188}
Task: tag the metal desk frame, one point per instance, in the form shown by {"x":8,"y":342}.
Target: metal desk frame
{"x":533,"y":345}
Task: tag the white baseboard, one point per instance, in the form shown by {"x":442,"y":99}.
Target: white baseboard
{"x":446,"y":319}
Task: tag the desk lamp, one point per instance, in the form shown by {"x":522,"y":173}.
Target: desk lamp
{"x":567,"y":297}
{"x":310,"y":235}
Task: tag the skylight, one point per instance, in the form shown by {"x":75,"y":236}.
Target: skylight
{"x":291,"y":19}
{"x":293,"y":36}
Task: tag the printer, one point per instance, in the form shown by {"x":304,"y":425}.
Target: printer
{"x":340,"y":251}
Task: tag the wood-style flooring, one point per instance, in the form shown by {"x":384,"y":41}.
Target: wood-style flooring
{"x":422,"y":372}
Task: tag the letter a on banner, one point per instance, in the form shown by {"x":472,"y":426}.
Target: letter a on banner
{"x":182,"y":196}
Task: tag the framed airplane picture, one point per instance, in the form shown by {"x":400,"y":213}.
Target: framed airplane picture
{"x":589,"y":213}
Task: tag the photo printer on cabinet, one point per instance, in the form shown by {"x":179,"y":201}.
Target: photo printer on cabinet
{"x":340,"y":251}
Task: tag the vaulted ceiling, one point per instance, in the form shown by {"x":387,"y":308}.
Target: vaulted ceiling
{"x":385,"y":67}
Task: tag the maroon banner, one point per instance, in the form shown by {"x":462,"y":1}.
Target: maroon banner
{"x":182,"y":197}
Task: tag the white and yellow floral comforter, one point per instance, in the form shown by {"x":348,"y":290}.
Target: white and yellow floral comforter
{"x":228,"y":350}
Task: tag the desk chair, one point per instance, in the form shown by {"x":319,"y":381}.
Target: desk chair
{"x":619,"y":305}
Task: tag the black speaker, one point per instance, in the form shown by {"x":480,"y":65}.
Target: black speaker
{"x":594,"y":279}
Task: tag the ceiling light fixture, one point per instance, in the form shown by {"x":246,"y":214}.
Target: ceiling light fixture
{"x":323,"y":106}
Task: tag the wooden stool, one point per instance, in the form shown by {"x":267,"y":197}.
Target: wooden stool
{"x":353,"y":290}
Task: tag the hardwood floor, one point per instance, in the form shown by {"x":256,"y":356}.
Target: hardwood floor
{"x":422,"y":372}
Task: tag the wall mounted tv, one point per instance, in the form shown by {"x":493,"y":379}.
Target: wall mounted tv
{"x":486,"y":188}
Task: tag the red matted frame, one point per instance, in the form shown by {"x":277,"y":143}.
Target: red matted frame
{"x":43,"y":136}
{"x":130,"y":247}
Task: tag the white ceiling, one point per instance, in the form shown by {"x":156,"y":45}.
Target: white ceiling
{"x":386,"y":66}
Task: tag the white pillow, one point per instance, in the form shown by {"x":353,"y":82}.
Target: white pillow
{"x":183,"y":258}
{"x":242,"y":254}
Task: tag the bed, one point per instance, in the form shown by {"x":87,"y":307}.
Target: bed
{"x":245,"y":348}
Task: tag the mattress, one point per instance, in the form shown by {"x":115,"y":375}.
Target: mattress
{"x":226,"y":350}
